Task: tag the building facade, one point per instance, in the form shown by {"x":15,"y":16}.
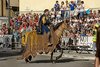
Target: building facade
{"x":14,"y":7}
{"x":38,"y":5}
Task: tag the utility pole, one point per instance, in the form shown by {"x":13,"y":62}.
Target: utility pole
{"x":8,"y":7}
{"x":9,"y":12}
{"x":1,"y":7}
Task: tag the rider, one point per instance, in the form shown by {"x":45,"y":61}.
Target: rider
{"x":44,"y":23}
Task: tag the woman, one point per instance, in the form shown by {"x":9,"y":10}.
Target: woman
{"x":67,"y":8}
{"x":62,"y":9}
{"x":97,"y":59}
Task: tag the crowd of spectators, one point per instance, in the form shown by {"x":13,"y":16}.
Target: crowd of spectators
{"x":81,"y":21}
{"x":19,"y":25}
{"x":67,"y":9}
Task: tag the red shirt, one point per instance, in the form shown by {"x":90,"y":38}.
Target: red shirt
{"x":36,"y":19}
{"x":21,"y":27}
{"x":11,"y":22}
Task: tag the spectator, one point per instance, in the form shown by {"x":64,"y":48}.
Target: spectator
{"x":22,"y":29}
{"x":72,"y":7}
{"x":36,"y":20}
{"x":12,"y":22}
{"x":57,"y":6}
{"x":98,"y":13}
{"x":16,"y":35}
{"x":31,"y":21}
{"x":1,"y":32}
{"x":91,"y":13}
{"x":94,"y":36}
{"x":52,"y":14}
{"x":62,"y":9}
{"x":94,"y":14}
{"x":28,"y":28}
{"x":80,"y":8}
{"x":67,"y":12}
{"x":5,"y":29}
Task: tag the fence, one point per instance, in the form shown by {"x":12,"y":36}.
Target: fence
{"x":96,"y":9}
{"x":6,"y":41}
{"x":85,"y":41}
{"x":82,"y":43}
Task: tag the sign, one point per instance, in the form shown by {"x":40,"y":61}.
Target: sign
{"x":85,"y":41}
{"x":3,"y":20}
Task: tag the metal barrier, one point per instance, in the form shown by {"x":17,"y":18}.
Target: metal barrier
{"x":84,"y":43}
{"x":96,"y":9}
{"x":7,"y":41}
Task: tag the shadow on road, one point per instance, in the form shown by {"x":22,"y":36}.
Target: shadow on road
{"x":59,"y":61}
{"x":9,"y":53}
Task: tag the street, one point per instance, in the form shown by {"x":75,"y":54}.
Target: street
{"x":68,"y":60}
{"x":43,"y":61}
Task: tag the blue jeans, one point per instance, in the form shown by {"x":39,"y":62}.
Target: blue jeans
{"x":81,"y":14}
{"x":67,"y":14}
{"x":45,"y":29}
{"x":94,"y":46}
{"x":62,"y":14}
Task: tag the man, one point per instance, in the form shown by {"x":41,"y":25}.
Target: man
{"x":62,"y":9}
{"x":5,"y":29}
{"x":28,"y":28}
{"x":72,"y":6}
{"x":57,"y":6}
{"x":97,"y":56}
{"x":44,"y":23}
{"x":57,"y":9}
{"x":67,"y":9}
{"x":95,"y":36}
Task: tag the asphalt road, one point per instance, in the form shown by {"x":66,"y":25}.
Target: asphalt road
{"x":8,"y":59}
{"x":43,"y":61}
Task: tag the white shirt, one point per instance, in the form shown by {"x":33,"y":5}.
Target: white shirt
{"x":67,"y":7}
{"x":80,"y":8}
{"x":63,"y":7}
{"x":52,"y":14}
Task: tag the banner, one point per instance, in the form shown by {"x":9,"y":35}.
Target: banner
{"x":85,"y":41}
